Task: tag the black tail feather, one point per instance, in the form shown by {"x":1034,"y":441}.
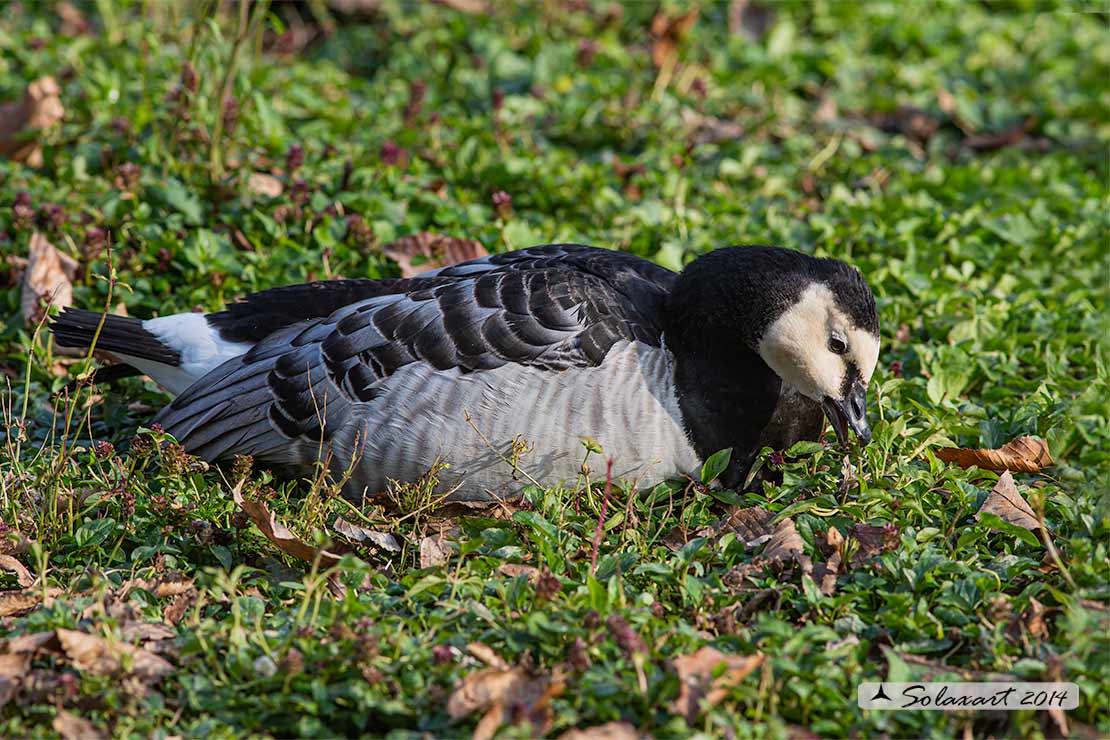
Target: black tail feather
{"x":75,"y":327}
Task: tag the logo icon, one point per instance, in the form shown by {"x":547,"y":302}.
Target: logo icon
{"x":880,"y":694}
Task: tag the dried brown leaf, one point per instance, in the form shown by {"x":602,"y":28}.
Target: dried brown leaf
{"x":1012,"y":136}
{"x":824,"y":574}
{"x":97,"y":656}
{"x":14,"y":603}
{"x":48,"y":278}
{"x":169,"y":585}
{"x":607,"y":731}
{"x":172,"y":586}
{"x":176,"y":609}
{"x":22,"y":575}
{"x":1021,"y":455}
{"x":72,"y":727}
{"x":21,"y":122}
{"x":667,"y":32}
{"x":506,"y":695}
{"x":785,"y":544}
{"x":752,"y":525}
{"x":73,"y":20}
{"x":135,"y":631}
{"x":487,"y":655}
{"x":699,"y":688}
{"x":32,"y":642}
{"x":278,"y":533}
{"x":913,"y":123}
{"x":1034,"y":619}
{"x":473,"y":7}
{"x":437,"y":251}
{"x":512,"y":570}
{"x":259,"y":183}
{"x":359,"y":533}
{"x":1006,"y":502}
{"x":710,"y":129}
{"x":433,"y":551}
{"x":873,"y":541}
{"x":14,"y":665}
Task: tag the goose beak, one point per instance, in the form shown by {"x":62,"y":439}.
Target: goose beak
{"x":849,"y":412}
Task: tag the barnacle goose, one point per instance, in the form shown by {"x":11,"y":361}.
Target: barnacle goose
{"x":747,"y":347}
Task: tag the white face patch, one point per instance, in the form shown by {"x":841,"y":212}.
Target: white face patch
{"x":796,"y":345}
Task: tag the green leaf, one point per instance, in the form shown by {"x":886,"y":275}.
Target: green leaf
{"x":174,"y":194}
{"x":715,"y":465}
{"x":995,"y":522}
{"x":95,"y":532}
{"x":804,"y":449}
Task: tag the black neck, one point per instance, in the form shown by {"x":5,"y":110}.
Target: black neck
{"x":726,"y":397}
{"x":714,"y":316}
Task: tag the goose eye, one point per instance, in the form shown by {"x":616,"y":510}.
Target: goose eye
{"x":837,"y":345}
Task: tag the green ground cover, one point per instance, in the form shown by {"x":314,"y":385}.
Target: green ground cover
{"x":955,"y":152}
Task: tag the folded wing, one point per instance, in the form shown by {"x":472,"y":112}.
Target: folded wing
{"x":553,"y":307}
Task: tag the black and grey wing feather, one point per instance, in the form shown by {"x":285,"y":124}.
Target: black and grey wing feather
{"x":552,"y":308}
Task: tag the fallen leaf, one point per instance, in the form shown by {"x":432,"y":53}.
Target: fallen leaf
{"x":49,"y":277}
{"x":21,"y":122}
{"x":506,"y":695}
{"x":13,"y":603}
{"x":170,"y":585}
{"x":710,"y":129}
{"x":278,"y":533}
{"x":433,"y":551}
{"x":873,"y":541}
{"x":785,"y":544}
{"x":824,"y":574}
{"x":512,"y":570}
{"x":473,"y":7}
{"x":22,"y":575}
{"x":750,"y":18}
{"x":32,"y":642}
{"x":259,"y":183}
{"x":990,"y":141}
{"x":437,"y":251}
{"x":73,"y":20}
{"x":175,"y":610}
{"x":751,"y":525}
{"x":72,"y":727}
{"x":358,"y":533}
{"x":913,"y":123}
{"x":1021,"y":455}
{"x":699,"y":688}
{"x":487,"y":655}
{"x":607,"y":731}
{"x":1006,"y":502}
{"x":14,"y":665}
{"x":134,"y":631}
{"x":1034,"y":619}
{"x":667,"y":32}
{"x":96,"y":655}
